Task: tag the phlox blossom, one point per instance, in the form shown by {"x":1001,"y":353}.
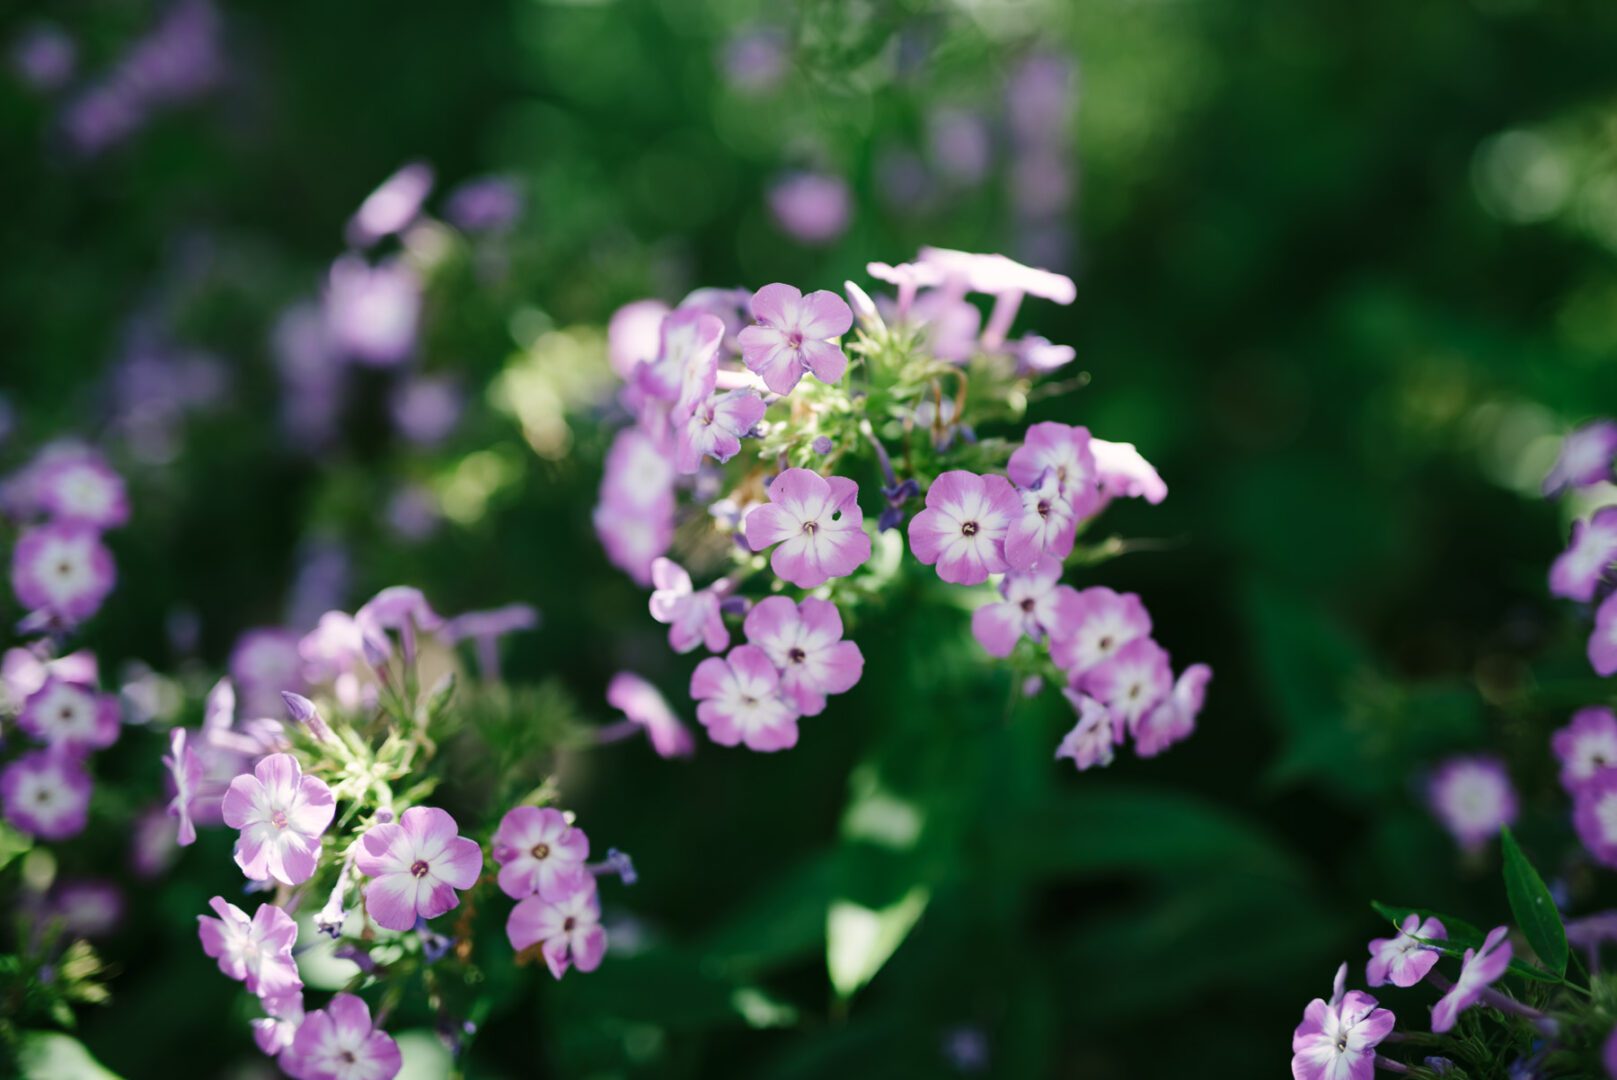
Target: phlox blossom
{"x":62,"y":569}
{"x":1403,"y":960}
{"x":693,"y":617}
{"x":415,"y":865}
{"x":794,"y":335}
{"x":256,"y":951}
{"x":1093,"y":739}
{"x":962,"y":530}
{"x":1473,"y":798}
{"x":539,"y":852}
{"x":1578,"y":571}
{"x":340,"y":1042}
{"x":567,"y":930}
{"x":1585,"y":458}
{"x":1067,"y":452}
{"x":1337,"y":1039}
{"x":70,"y":716}
{"x":1586,"y":746}
{"x":1101,"y":623}
{"x":46,"y":793}
{"x":281,"y":814}
{"x":741,"y":701}
{"x":1480,"y":968}
{"x":804,"y":642}
{"x":817,"y":523}
{"x":1034,"y":605}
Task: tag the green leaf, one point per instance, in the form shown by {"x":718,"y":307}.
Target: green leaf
{"x":859,"y":940}
{"x":12,"y":844}
{"x":50,"y":1055}
{"x":1533,"y":907}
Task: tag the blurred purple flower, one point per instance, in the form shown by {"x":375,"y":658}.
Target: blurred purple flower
{"x":44,"y":57}
{"x":812,"y":208}
{"x":392,"y":207}
{"x":485,"y":204}
{"x":755,"y":59}
{"x":373,"y":310}
{"x":426,"y":408}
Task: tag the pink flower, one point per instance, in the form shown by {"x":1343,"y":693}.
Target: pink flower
{"x":568,"y":931}
{"x":1174,"y":719}
{"x":1007,"y":280}
{"x":812,"y":208}
{"x":692,"y":618}
{"x":804,"y":642}
{"x":817,"y":522}
{"x":281,"y":814}
{"x":1586,"y":746}
{"x":1479,"y":969}
{"x":1132,"y":682}
{"x":1603,"y":640}
{"x":1404,"y":960}
{"x":742,"y":701}
{"x":964,"y":525}
{"x":46,"y":793}
{"x":716,"y":427}
{"x":1036,"y":605}
{"x":1594,"y":815}
{"x":793,"y":336}
{"x":392,"y":207}
{"x":1578,"y":571}
{"x":1337,"y":1039}
{"x":256,"y":951}
{"x":1093,"y":740}
{"x":635,"y":515}
{"x":82,"y":488}
{"x":687,"y":363}
{"x":1473,"y":798}
{"x":185,"y":773}
{"x":415,"y":866}
{"x":373,"y":312}
{"x":340,"y":1043}
{"x":70,"y":716}
{"x":264,"y":662}
{"x":1124,"y":474}
{"x":633,"y":335}
{"x":640,"y":702}
{"x":1066,"y":451}
{"x":539,"y":852}
{"x":1046,"y":525}
{"x":1101,"y":623}
{"x":274,"y":1033}
{"x":62,"y":569}
{"x":1585,"y":459}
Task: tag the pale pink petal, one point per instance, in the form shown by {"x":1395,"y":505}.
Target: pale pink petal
{"x":778,"y":305}
{"x":769,"y":524}
{"x":997,"y":628}
{"x":827,"y":361}
{"x":391,"y":900}
{"x":824,"y":314}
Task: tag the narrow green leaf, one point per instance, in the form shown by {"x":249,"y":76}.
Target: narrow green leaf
{"x":1533,"y":907}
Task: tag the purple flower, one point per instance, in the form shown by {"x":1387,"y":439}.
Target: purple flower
{"x":256,"y":951}
{"x":1036,"y":606}
{"x":540,"y":853}
{"x":716,"y":427}
{"x":964,"y":526}
{"x":755,"y":59}
{"x":264,"y":662}
{"x":817,"y":522}
{"x":1578,"y":571}
{"x":399,"y":608}
{"x":793,"y":336}
{"x":1068,"y":453}
{"x":44,"y":57}
{"x":634,"y":335}
{"x":1404,"y":960}
{"x":185,"y":775}
{"x":70,"y":716}
{"x":1337,"y":1039}
{"x":1036,"y":355}
{"x":959,"y":143}
{"x":426,"y":408}
{"x":46,"y":793}
{"x":1046,"y":524}
{"x":335,"y":647}
{"x":635,"y":515}
{"x":62,"y":569}
{"x":1585,"y":459}
{"x":340,"y":1043}
{"x":415,"y":866}
{"x":274,"y":1033}
{"x":1594,"y":815}
{"x":741,"y":701}
{"x":692,"y":618}
{"x":640,"y":702}
{"x":812,"y":208}
{"x":567,"y":930}
{"x":1092,"y":741}
{"x":1124,"y":474}
{"x":392,"y":207}
{"x":686,"y":368}
{"x":1609,"y":1054}
{"x":82,"y":488}
{"x":485,"y":204}
{"x":281,"y":814}
{"x":1473,"y":798}
{"x":152,"y":847}
{"x":1102,"y":622}
{"x":23,"y":671}
{"x":1007,"y":280}
{"x":804,"y":642}
{"x":1174,"y":718}
{"x":1603,"y":640}
{"x":1479,"y":969}
{"x":373,"y":311}
{"x":87,"y":908}
{"x":1586,"y":746}
{"x":1132,"y":681}
{"x":732,"y":307}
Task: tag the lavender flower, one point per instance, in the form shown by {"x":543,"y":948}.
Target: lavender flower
{"x":1473,"y":798}
{"x":1479,"y":969}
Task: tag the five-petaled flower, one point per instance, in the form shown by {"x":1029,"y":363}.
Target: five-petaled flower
{"x":568,"y":930}
{"x":1585,"y":458}
{"x":1405,"y":959}
{"x":1093,"y":739}
{"x":715,"y":428}
{"x":817,"y":523}
{"x":793,"y":336}
{"x":804,"y":642}
{"x":1578,"y":571}
{"x":741,"y":701}
{"x":963,"y":528}
{"x":1480,"y":968}
{"x":70,"y":716}
{"x":62,"y":569}
{"x":1586,"y":746}
{"x":1067,"y":453}
{"x":339,"y":1042}
{"x":693,"y":617}
{"x":642,"y":704}
{"x":1035,"y":605}
{"x":539,"y":852}
{"x":415,"y":865}
{"x":1337,"y":1039}
{"x":1102,"y":622}
{"x":256,"y":951}
{"x":281,"y":814}
{"x":1173,"y":719}
{"x":1594,"y":815}
{"x":1473,"y":798}
{"x":81,"y":487}
{"x":46,"y":793}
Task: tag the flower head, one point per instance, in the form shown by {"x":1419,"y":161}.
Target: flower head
{"x":793,"y":336}
{"x":373,"y":311}
{"x":817,"y":522}
{"x":1092,"y":741}
{"x":1101,"y":622}
{"x":415,"y":865}
{"x":1133,"y":682}
{"x":741,"y":701}
{"x":1337,"y":1039}
{"x":1479,"y":969}
{"x":633,"y":335}
{"x":1404,"y":960}
{"x":1578,"y":571}
{"x":281,"y":814}
{"x":46,"y":793}
{"x":1603,"y":639}
{"x":1473,"y":798}
{"x":963,"y":528}
{"x":1585,"y":459}
{"x":539,"y":852}
{"x":256,"y":951}
{"x":640,"y":702}
{"x":274,"y":1032}
{"x":1174,"y":718}
{"x":339,"y":1042}
{"x":1586,"y":746}
{"x":392,"y":207}
{"x":70,"y":715}
{"x":485,"y":204}
{"x":1035,"y":605}
{"x":1068,"y":453}
{"x":693,"y":618}
{"x":1046,"y":525}
{"x":1594,"y":815}
{"x":716,"y":426}
{"x":804,"y":642}
{"x":264,"y":662}
{"x":62,"y":569}
{"x":687,"y":364}
{"x":81,"y":488}
{"x":1124,"y":474}
{"x":185,"y":775}
{"x":567,"y":930}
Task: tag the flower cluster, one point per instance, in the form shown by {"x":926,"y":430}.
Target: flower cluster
{"x":65,"y":499}
{"x":765,"y":426}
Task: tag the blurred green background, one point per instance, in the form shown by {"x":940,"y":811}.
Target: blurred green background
{"x":1345,"y":271}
